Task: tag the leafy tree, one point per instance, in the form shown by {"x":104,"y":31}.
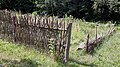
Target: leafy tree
{"x":86,"y":9}
{"x":23,"y":5}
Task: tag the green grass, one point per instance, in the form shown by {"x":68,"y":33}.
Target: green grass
{"x":106,"y":55}
{"x":16,"y":55}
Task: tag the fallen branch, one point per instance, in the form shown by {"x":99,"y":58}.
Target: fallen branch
{"x":91,"y":44}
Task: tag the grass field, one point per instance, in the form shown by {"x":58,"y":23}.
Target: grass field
{"x":106,"y":55}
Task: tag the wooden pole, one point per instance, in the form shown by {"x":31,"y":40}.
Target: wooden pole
{"x":14,"y":29}
{"x":68,"y":42}
{"x":87,"y":43}
{"x":96,"y":32}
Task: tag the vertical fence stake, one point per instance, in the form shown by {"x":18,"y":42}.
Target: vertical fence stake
{"x":68,"y":42}
{"x":87,"y":43}
{"x":14,"y":33}
{"x":96,"y":32}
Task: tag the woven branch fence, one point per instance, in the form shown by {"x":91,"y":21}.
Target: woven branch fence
{"x":37,"y":31}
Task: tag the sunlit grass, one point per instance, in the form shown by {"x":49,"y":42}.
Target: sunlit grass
{"x":105,"y":55}
{"x":10,"y":52}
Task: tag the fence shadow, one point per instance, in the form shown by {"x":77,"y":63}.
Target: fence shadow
{"x":21,"y":63}
{"x":81,"y":63}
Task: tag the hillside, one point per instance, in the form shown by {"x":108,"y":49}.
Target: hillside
{"x":105,"y":55}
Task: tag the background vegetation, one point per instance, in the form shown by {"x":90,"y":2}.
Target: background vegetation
{"x":91,"y":10}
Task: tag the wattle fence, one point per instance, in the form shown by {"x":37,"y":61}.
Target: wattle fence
{"x":44,"y":33}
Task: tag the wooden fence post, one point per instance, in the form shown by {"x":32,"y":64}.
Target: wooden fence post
{"x":14,"y":29}
{"x":68,"y":42}
{"x":96,"y":36}
{"x":87,"y":43}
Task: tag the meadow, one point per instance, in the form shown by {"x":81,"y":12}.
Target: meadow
{"x":105,"y":55}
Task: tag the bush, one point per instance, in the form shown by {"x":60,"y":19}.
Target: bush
{"x":96,"y":10}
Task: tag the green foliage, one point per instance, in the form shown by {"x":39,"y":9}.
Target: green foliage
{"x":24,"y":5}
{"x":107,"y":9}
{"x":86,"y":9}
{"x":51,"y":46}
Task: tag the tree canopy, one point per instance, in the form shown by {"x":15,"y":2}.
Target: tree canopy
{"x":85,"y":9}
